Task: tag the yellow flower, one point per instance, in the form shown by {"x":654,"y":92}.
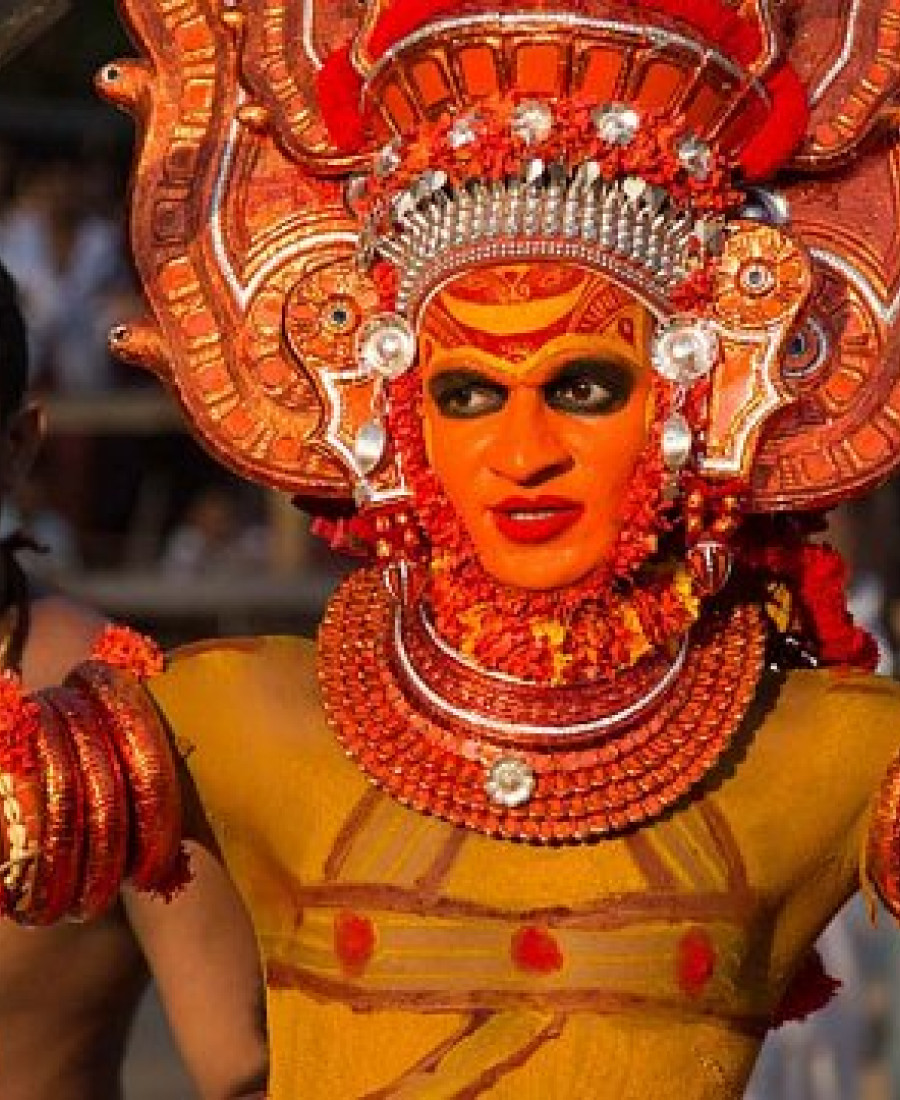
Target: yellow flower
{"x":779,"y":606}
{"x":472,"y":622}
{"x":684,"y":590}
{"x":555,"y":635}
{"x":638,"y":645}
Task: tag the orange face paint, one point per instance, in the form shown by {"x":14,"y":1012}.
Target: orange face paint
{"x":537,"y":380}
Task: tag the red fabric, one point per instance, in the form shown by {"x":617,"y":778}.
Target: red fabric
{"x":339,"y":95}
{"x":812,"y":989}
{"x":785,"y":128}
{"x":405,"y":17}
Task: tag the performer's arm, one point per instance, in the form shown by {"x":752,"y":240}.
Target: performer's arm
{"x":202,"y":953}
{"x":90,"y":807}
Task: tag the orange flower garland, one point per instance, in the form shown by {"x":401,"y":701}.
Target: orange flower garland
{"x":125,"y":649}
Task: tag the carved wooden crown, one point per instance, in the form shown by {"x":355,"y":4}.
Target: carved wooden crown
{"x":247,"y":249}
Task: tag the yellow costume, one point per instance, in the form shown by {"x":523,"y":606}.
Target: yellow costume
{"x":430,"y":998}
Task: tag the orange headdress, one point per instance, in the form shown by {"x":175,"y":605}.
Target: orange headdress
{"x":306,"y":168}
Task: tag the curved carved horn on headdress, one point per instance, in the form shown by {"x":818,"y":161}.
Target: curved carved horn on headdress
{"x":842,"y":433}
{"x":247,"y":259}
{"x":847,"y":53}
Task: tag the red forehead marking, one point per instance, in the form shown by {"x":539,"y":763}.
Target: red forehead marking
{"x":626,"y":330}
{"x":522,"y":285}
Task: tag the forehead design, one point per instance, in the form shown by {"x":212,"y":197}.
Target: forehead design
{"x":512,"y":311}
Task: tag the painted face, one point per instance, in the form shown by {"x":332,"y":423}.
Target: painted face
{"x":536,"y":391}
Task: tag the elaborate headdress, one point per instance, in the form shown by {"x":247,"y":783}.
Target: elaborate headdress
{"x":614,"y":132}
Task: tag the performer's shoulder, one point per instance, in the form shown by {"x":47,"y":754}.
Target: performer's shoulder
{"x":845,"y":696}
{"x":255,"y":651}
{"x":237,"y":670}
{"x":835,"y":719}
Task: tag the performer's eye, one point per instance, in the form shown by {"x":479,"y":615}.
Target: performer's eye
{"x":590,"y":387}
{"x":463,"y":395}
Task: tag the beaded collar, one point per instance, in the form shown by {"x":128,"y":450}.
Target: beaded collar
{"x":522,"y":761}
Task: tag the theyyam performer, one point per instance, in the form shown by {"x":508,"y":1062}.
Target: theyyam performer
{"x":574,"y":319}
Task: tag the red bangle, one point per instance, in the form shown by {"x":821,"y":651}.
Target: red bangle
{"x":60,"y":846}
{"x":106,"y":811}
{"x":150,"y":775}
{"x":883,"y":848}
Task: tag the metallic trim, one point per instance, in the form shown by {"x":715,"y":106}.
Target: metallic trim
{"x":504,"y":20}
{"x":818,"y":93}
{"x":512,"y":729}
{"x":887,"y":312}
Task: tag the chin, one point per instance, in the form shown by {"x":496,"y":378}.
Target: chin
{"x":531,"y":574}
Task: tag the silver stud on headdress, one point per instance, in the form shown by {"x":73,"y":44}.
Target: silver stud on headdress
{"x":386,"y":346}
{"x":532,"y":121}
{"x":464,"y":131}
{"x":616,"y":123}
{"x":695,"y":157}
{"x":685,"y":349}
{"x":388,"y":159}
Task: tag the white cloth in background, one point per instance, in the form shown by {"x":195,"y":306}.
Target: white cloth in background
{"x":64,"y":307}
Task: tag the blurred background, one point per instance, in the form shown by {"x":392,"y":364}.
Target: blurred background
{"x":136,"y":520}
{"x":132,"y":516}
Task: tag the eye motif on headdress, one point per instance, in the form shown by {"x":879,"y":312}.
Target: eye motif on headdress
{"x":620,"y":135}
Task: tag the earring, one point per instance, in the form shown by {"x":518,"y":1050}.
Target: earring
{"x":710,"y":522}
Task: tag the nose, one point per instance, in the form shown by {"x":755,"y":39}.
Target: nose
{"x":525,"y":448}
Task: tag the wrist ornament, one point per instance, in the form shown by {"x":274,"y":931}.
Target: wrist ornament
{"x":88,"y":787}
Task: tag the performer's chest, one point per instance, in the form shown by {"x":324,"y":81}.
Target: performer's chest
{"x":357,"y":897}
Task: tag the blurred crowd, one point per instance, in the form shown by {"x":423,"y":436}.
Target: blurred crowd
{"x":99,"y":498}
{"x":102,"y":500}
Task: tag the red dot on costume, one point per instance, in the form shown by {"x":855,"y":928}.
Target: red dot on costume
{"x":354,"y":941}
{"x":626,"y":329}
{"x":696,"y":962}
{"x":534,"y":949}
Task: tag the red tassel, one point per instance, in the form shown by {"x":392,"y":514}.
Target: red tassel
{"x":339,"y":94}
{"x":811,"y":990}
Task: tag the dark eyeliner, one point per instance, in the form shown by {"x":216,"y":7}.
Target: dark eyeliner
{"x":449,"y":388}
{"x":616,"y":378}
